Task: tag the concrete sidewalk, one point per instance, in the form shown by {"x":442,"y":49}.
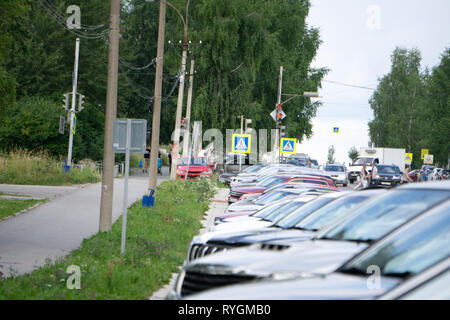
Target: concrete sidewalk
{"x":56,"y":228}
{"x":217,"y":208}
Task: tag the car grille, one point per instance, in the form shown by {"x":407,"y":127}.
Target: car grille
{"x":194,"y":282}
{"x":201,"y":250}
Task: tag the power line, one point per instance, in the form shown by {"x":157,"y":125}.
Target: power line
{"x":81,"y":34}
{"x":128,"y":65}
{"x":349,"y":85}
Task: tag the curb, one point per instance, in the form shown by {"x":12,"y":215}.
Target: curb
{"x":23,"y":211}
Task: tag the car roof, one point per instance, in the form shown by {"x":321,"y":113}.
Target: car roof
{"x":428,"y":185}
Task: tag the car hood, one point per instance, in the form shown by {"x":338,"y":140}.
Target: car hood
{"x":244,"y":207}
{"x":331,"y":287}
{"x":305,"y":257}
{"x":250,"y":224}
{"x":264,"y":235}
{"x":381,"y":174}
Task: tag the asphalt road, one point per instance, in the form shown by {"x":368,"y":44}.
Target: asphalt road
{"x":57,"y":227}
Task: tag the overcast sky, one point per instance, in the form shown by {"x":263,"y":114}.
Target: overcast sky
{"x":359,"y":37}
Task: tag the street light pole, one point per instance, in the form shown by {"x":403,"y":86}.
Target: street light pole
{"x":74,"y":97}
{"x":280,"y":84}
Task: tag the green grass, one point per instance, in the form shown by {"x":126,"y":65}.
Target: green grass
{"x":157,"y":242}
{"x":22,"y":167}
{"x":10,"y":207}
{"x":217,"y":183}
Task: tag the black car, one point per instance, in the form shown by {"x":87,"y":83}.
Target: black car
{"x":388,"y":176}
{"x":225,"y":177}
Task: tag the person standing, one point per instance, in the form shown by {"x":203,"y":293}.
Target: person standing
{"x":170,"y":158}
{"x":363,"y":179}
{"x":405,"y":177}
{"x":374,"y":174}
{"x":146,"y":159}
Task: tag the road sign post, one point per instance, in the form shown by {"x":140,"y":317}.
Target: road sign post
{"x":129,"y":136}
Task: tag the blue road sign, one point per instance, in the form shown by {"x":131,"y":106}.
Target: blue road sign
{"x":336,"y":129}
{"x":288,"y":145}
{"x":241,"y":143}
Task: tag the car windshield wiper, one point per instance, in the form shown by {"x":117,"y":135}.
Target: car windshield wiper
{"x":355,"y":271}
{"x":403,"y":274}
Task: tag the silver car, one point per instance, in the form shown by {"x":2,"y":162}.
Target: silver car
{"x":337,"y":173}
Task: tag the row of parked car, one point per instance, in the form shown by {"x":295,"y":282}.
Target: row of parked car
{"x":429,"y":173}
{"x":290,"y":233}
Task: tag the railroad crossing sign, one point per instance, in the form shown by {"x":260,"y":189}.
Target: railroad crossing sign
{"x":241,"y":143}
{"x":423,"y":153}
{"x":288,"y":145}
{"x":336,"y":129}
{"x":408,"y":158}
{"x":428,"y":159}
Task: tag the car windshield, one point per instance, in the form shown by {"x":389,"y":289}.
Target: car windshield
{"x":413,"y":249}
{"x":362,"y":161}
{"x":334,"y":168}
{"x":386,"y":169}
{"x":285,"y":210}
{"x":268,"y":209}
{"x":252,"y":168}
{"x":383,"y":214}
{"x":271,"y":182}
{"x":274,"y":196}
{"x":194,"y":161}
{"x":300,"y":213}
{"x":435,"y":289}
{"x":331,"y":211}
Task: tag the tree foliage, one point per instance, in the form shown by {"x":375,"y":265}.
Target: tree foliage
{"x":353,"y":154}
{"x":411,"y":107}
{"x":331,"y":154}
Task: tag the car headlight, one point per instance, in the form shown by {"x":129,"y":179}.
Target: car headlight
{"x":396,"y":177}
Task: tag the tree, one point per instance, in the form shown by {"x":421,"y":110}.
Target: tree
{"x":353,"y":154}
{"x":398,"y":104}
{"x":331,"y":152}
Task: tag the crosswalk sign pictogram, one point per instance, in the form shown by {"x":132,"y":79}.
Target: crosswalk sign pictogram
{"x":336,"y":129}
{"x":288,"y":145}
{"x":241,"y":143}
{"x":408,"y":158}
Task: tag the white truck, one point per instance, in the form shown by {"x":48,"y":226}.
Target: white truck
{"x":368,"y":156}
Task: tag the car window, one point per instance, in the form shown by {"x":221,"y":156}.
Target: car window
{"x":194,"y":161}
{"x":387,"y":169}
{"x":410,"y":251}
{"x":271,"y":182}
{"x":437,"y":288}
{"x":274,"y":196}
{"x":320,"y":182}
{"x":334,"y":168}
{"x":284,"y":210}
{"x":291,"y":220}
{"x":269,"y":209}
{"x":385,"y":213}
{"x":331,"y":211}
{"x":362,"y":161}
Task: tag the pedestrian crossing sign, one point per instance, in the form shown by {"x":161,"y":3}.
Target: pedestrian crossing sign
{"x":288,"y":145}
{"x":408,"y":158}
{"x":241,"y":143}
{"x":336,"y":129}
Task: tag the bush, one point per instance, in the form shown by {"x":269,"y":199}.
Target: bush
{"x":38,"y":168}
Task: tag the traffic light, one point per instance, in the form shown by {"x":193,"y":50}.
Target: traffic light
{"x":66,"y":101}
{"x":283,"y":132}
{"x":80,"y":102}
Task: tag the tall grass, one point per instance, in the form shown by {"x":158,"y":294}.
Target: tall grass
{"x":38,"y":168}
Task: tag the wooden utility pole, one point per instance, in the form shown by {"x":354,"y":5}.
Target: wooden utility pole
{"x":188,"y":111}
{"x":280,"y":84}
{"x":157,"y":102}
{"x":110,"y":114}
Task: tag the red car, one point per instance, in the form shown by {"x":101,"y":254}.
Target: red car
{"x":237,"y":193}
{"x":198,"y":167}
